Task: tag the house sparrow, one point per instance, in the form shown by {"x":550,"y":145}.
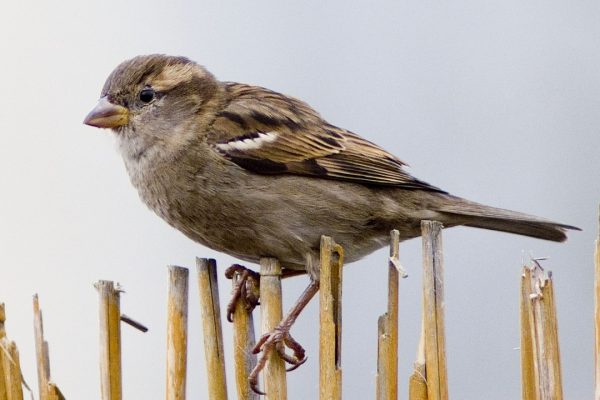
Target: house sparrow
{"x":255,"y":173}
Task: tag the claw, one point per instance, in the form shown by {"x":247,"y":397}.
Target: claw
{"x":276,"y":340}
{"x":258,"y":346}
{"x":246,"y":289}
{"x":295,"y":366}
{"x":253,"y":381}
{"x":280,"y":337}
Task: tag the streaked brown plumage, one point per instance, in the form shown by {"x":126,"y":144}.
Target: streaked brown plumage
{"x":303,"y":143}
{"x":254,"y":173}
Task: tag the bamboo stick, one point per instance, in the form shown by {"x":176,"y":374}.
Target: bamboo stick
{"x":2,"y":321}
{"x":417,"y":385}
{"x":243,"y":341}
{"x":544,"y":333}
{"x":387,"y":357}
{"x":211,"y":327}
{"x":110,"y":340}
{"x":3,"y":394}
{"x":330,"y":348}
{"x":41,"y":350}
{"x":433,"y":300}
{"x":12,"y":370}
{"x":54,"y":393}
{"x":528,"y":375}
{"x":597,"y":315}
{"x":177,"y":312}
{"x":382,"y":351}
{"x":271,"y":313}
{"x":550,"y":330}
{"x":3,"y":374}
{"x":11,"y":376}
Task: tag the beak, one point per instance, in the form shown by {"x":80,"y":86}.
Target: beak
{"x":107,"y":115}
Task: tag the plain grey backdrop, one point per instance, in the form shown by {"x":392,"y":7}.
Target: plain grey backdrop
{"x":498,"y":102}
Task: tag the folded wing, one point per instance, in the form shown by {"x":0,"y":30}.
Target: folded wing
{"x":269,"y":133}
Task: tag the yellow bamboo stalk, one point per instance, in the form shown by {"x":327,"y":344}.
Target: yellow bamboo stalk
{"x":545,"y":336}
{"x":550,"y":330}
{"x":433,"y":301}
{"x":531,"y":293}
{"x":177,"y":314}
{"x":13,"y":366}
{"x":330,"y":343}
{"x":542,"y":324}
{"x":3,"y":374}
{"x":54,"y":393}
{"x":528,"y":376}
{"x":243,"y":341}
{"x":382,"y":350}
{"x":11,"y":376}
{"x":110,"y":340}
{"x":271,"y":313}
{"x":417,"y":385}
{"x":387,"y":354}
{"x":597,"y":316}
{"x":211,"y":327}
{"x":2,"y":320}
{"x":41,"y":350}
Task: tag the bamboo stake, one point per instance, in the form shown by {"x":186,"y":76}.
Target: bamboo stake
{"x":387,"y":348}
{"x":12,"y":370}
{"x":3,"y":374}
{"x":271,"y":314}
{"x":433,"y":300}
{"x":382,"y":351}
{"x":177,"y":310}
{"x":243,"y":341}
{"x":330,"y":348}
{"x":54,"y":393}
{"x":417,"y":385}
{"x":597,"y":316}
{"x":528,"y":375}
{"x":11,"y":376}
{"x":550,"y":329}
{"x":211,"y":327}
{"x":544,"y":335}
{"x":110,"y":340}
{"x":41,"y":350}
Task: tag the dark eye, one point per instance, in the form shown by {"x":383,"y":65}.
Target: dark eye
{"x":147,"y":95}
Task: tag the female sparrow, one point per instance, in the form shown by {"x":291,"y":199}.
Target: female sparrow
{"x":255,"y":173}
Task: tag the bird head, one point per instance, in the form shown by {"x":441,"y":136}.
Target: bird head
{"x":151,"y":95}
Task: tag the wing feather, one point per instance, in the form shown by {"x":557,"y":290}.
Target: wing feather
{"x":270,"y":133}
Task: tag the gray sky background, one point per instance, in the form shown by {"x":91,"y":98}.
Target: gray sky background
{"x":497,"y":102}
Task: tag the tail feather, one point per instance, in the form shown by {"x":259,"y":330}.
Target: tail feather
{"x":476,"y":215}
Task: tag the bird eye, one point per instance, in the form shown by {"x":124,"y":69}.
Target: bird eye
{"x":147,"y":95}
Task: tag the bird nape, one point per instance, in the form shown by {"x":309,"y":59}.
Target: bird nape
{"x":253,"y":173}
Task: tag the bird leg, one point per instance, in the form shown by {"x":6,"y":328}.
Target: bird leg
{"x":246,"y":289}
{"x":280,"y":337}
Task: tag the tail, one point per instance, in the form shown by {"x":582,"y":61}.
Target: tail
{"x":476,"y":215}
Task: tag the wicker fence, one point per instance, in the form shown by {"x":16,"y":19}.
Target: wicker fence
{"x":540,"y":358}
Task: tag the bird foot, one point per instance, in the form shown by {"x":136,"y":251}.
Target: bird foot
{"x":246,"y":289}
{"x":276,"y":340}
